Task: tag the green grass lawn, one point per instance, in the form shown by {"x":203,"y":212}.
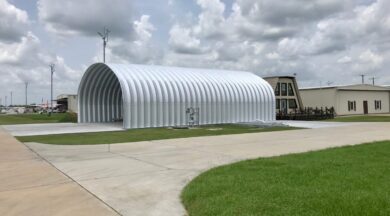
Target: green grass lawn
{"x":145,"y":134}
{"x":366,"y":118}
{"x":340,"y":181}
{"x":34,"y":118}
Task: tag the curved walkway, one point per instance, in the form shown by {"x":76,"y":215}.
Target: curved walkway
{"x":31,"y":186}
{"x":146,"y":178}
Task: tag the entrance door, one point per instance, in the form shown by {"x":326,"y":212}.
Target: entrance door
{"x":365,"y":107}
{"x":283,"y":105}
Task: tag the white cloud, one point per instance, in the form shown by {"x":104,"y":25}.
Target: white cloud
{"x":13,"y":22}
{"x":139,"y":50}
{"x":344,"y":60}
{"x":73,"y":17}
{"x":183,"y":41}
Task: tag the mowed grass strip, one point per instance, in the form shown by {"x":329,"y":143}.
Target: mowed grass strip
{"x":135,"y":135}
{"x":341,"y":181}
{"x":367,"y":118}
{"x":33,"y":118}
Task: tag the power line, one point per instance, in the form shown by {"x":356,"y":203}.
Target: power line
{"x":104,"y":37}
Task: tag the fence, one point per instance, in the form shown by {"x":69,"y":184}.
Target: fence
{"x":307,"y":114}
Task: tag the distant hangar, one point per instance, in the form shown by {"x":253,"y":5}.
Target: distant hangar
{"x":155,"y":96}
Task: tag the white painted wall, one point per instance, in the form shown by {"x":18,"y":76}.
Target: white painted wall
{"x":359,"y":96}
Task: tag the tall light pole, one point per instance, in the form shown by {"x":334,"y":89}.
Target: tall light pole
{"x":104,"y":37}
{"x":5,"y":101}
{"x":26,"y":86}
{"x":373,"y":80}
{"x":52,"y":69}
{"x":11,"y":99}
{"x":362,"y":75}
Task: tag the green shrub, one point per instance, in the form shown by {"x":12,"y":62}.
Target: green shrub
{"x":69,"y":117}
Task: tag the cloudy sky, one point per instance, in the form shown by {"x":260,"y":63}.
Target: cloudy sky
{"x":322,"y":41}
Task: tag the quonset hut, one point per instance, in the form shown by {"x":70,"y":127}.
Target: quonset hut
{"x":155,"y":96}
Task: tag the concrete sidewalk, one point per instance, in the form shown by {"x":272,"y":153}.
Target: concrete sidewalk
{"x":146,"y":178}
{"x":31,"y":186}
{"x":60,"y":128}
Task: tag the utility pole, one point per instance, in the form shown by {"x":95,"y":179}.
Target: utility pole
{"x":362,"y":75}
{"x":52,"y":69}
{"x":373,"y":80}
{"x":6,"y":101}
{"x":11,"y":99}
{"x":104,"y":37}
{"x":26,"y":86}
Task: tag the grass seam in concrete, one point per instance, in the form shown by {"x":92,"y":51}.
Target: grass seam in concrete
{"x":44,"y":159}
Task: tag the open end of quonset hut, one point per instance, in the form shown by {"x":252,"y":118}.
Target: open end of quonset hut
{"x":155,"y":96}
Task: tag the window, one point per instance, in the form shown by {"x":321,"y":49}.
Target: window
{"x":290,"y":90}
{"x":283,"y":105}
{"x":277,"y":89}
{"x":277,"y":103}
{"x":378,"y":105}
{"x":351,"y":105}
{"x":292,"y":104}
{"x":284,"y":89}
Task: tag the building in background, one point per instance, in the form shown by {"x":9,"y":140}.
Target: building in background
{"x":287,"y":94}
{"x":350,"y":99}
{"x":67,"y":103}
{"x":155,"y":96}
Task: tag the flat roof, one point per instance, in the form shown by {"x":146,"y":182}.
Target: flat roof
{"x":355,"y":87}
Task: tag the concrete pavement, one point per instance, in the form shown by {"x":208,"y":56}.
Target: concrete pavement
{"x":146,"y":178}
{"x":31,"y":186}
{"x":64,"y":128}
{"x":60,"y":128}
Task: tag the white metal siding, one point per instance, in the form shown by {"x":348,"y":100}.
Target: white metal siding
{"x":155,"y":96}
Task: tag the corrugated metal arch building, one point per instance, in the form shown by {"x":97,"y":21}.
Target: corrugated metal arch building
{"x":155,"y":96}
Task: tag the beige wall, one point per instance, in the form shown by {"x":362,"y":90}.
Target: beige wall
{"x":319,"y":97}
{"x":72,"y":103}
{"x":359,"y":96}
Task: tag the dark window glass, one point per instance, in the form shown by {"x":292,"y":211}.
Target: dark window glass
{"x":292,"y":104}
{"x":349,"y":105}
{"x":277,"y":104}
{"x":290,"y":90}
{"x":283,"y":105}
{"x":284,"y":89}
{"x":378,"y":105}
{"x":354,"y":105}
{"x":277,"y":89}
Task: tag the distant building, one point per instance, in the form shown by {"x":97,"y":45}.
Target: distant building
{"x":350,"y":99}
{"x":286,"y":91}
{"x":67,"y":102}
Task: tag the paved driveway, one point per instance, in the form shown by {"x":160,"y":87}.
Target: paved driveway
{"x":146,"y":178}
